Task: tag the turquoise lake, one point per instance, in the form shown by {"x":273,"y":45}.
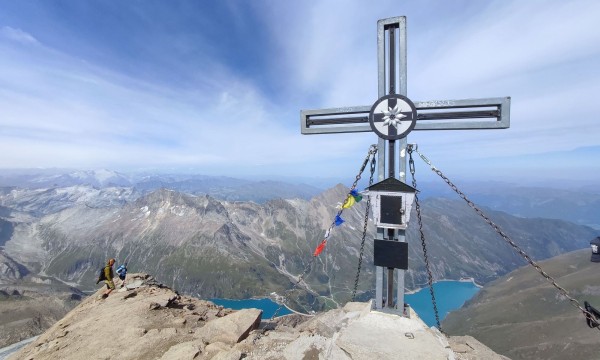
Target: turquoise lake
{"x":449,"y":295}
{"x":268,"y":306}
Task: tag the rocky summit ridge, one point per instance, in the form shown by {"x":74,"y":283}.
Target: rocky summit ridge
{"x":147,"y":320}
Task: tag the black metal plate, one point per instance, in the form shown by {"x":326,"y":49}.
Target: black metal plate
{"x":391,"y":254}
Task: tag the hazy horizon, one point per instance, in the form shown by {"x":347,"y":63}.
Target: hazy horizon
{"x":425,"y":177}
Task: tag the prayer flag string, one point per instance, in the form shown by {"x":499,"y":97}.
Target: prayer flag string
{"x":353,"y":197}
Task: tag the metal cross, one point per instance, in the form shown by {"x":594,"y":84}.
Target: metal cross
{"x":393,"y":116}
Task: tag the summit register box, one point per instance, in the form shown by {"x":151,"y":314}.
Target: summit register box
{"x":392,"y":202}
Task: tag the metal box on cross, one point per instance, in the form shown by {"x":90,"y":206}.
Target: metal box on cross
{"x":392,"y":202}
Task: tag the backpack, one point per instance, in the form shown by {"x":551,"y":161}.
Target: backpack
{"x":122,"y":270}
{"x":101,"y":276}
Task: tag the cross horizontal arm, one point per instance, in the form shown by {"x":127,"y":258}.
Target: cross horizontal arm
{"x":429,"y":114}
{"x":347,"y":119}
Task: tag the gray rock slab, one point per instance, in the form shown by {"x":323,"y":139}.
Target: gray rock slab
{"x":228,"y":355}
{"x":469,"y":348}
{"x":361,"y":307}
{"x":266,"y":346}
{"x":165,"y":299}
{"x":232,"y":328}
{"x":306,"y":347}
{"x":327,"y":324}
{"x":384,"y":336}
{"x":315,"y":347}
{"x":217,"y":347}
{"x":133,"y":284}
{"x":184,"y":351}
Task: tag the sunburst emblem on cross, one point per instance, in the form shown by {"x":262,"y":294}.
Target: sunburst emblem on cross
{"x":392,"y":116}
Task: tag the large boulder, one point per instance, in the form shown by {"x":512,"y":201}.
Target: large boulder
{"x":232,"y":328}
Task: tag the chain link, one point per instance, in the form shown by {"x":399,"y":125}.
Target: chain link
{"x":411,"y":165}
{"x":371,"y":153}
{"x":506,"y":238}
{"x":364,"y":234}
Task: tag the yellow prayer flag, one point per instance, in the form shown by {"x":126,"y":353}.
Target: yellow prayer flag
{"x":349,"y":202}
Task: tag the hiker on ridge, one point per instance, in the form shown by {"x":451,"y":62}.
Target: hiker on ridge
{"x":122,"y":272}
{"x":108,"y":274}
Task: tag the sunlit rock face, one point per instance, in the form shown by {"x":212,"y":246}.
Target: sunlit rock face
{"x":154,"y":322}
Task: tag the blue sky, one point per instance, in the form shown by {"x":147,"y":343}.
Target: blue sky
{"x":216,"y":87}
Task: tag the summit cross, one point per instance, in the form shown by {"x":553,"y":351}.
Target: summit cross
{"x":392,"y":117}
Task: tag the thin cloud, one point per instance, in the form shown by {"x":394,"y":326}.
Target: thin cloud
{"x":62,"y":112}
{"x":17,"y":35}
{"x":191,"y":102}
{"x":512,"y":38}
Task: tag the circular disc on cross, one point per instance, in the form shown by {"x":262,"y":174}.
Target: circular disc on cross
{"x":392,"y":117}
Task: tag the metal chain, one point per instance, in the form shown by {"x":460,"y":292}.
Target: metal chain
{"x":364,"y":234}
{"x":411,"y":165}
{"x":371,"y":153}
{"x":506,"y":238}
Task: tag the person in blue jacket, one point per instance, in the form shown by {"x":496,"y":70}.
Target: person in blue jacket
{"x":122,"y":272}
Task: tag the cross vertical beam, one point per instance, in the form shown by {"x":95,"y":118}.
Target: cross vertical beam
{"x":394,"y":86}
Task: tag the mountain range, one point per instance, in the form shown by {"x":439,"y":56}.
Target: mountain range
{"x":221,"y":187}
{"x":553,"y":199}
{"x":29,"y":303}
{"x":57,"y":230}
{"x":580,"y":206}
{"x":215,"y":248}
{"x":521,"y":315}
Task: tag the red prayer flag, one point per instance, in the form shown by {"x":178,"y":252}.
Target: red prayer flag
{"x":320,"y":248}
